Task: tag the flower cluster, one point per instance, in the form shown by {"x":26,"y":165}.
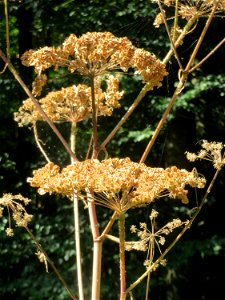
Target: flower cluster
{"x":95,"y":53}
{"x":72,"y":104}
{"x":193,"y":9}
{"x":212,"y":151}
{"x":15,"y":203}
{"x":152,"y":236}
{"x":117,"y":183}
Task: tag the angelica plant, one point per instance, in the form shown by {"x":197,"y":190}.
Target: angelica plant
{"x":115,"y":183}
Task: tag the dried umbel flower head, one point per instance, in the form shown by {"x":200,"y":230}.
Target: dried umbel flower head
{"x":212,"y":151}
{"x":194,"y":9}
{"x":149,"y":238}
{"x":94,"y":54}
{"x":15,"y":203}
{"x":72,"y":104}
{"x":119,"y":184}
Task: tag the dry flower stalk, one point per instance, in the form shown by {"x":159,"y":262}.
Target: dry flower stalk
{"x":192,"y":9}
{"x":72,"y":104}
{"x":212,"y":151}
{"x":94,"y":54}
{"x":16,"y":204}
{"x":152,"y":236}
{"x":119,"y":184}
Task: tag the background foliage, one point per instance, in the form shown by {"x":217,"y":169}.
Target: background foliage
{"x":196,"y":266}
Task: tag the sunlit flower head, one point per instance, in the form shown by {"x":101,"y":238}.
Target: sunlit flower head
{"x":194,"y":9}
{"x":212,"y":151}
{"x":94,"y":54}
{"x":72,"y":104}
{"x":119,"y":184}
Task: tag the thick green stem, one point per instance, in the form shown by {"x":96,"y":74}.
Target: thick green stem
{"x":122,"y":256}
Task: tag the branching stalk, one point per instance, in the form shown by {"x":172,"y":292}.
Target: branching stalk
{"x":208,"y":55}
{"x":60,"y":277}
{"x":37,"y":105}
{"x":109,"y":225}
{"x":186,"y":227}
{"x":199,"y":42}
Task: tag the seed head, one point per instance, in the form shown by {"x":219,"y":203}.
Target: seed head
{"x":119,"y":184}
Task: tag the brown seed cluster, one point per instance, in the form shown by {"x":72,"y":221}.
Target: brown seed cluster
{"x":16,"y":204}
{"x":117,"y":183}
{"x":95,"y":53}
{"x":154,"y":236}
{"x":193,"y":9}
{"x":212,"y":151}
{"x":72,"y":104}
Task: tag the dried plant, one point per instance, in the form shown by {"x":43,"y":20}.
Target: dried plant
{"x":118,"y":184}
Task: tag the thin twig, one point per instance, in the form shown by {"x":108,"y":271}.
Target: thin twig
{"x":51,"y":263}
{"x":169,"y":35}
{"x":7,"y":30}
{"x":141,"y":95}
{"x":36,"y":138}
{"x":199,"y":42}
{"x":208,"y":55}
{"x":179,"y":87}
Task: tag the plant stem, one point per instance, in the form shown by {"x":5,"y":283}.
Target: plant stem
{"x":109,"y":225}
{"x":179,"y":88}
{"x":208,"y":55}
{"x":97,"y":250}
{"x":39,"y":144}
{"x":147,"y":86}
{"x":122,"y":256}
{"x":199,"y":42}
{"x":141,"y":95}
{"x":187,"y":226}
{"x":76,"y":220}
{"x":37,"y":105}
{"x":7,"y":29}
{"x":94,"y":119}
{"x":181,"y":83}
{"x":179,"y":40}
{"x":77,"y":243}
{"x":51,"y":263}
